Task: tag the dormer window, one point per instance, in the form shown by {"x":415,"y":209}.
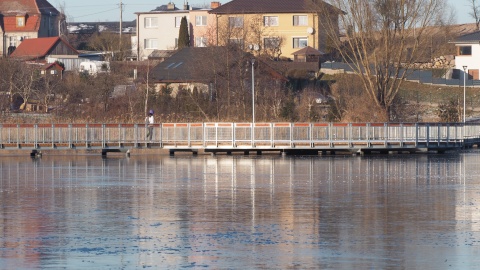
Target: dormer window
{"x":20,"y":21}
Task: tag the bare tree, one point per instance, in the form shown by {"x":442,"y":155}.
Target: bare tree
{"x":49,"y":86}
{"x":475,"y":12}
{"x":382,"y":38}
{"x":24,"y":82}
{"x":62,"y":22}
{"x":109,"y":42}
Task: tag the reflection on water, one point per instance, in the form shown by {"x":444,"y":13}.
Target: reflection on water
{"x":380,"y":212}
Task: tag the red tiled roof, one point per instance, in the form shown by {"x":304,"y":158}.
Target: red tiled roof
{"x":52,"y":65}
{"x":267,"y":6}
{"x":32,"y":23}
{"x":31,"y":9}
{"x":36,"y":48}
{"x":22,"y":7}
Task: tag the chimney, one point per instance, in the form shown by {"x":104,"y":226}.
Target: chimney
{"x":170,"y":6}
{"x":215,"y":5}
{"x":186,"y":6}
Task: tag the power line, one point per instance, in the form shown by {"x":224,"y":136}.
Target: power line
{"x":94,"y":13}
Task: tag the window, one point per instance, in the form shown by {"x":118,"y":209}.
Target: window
{"x":271,"y":43}
{"x":200,"y":42}
{"x":300,"y":20}
{"x":300,"y":42}
{"x":200,"y":20}
{"x":235,"y":22}
{"x":151,"y":43}
{"x":236,"y":41}
{"x":465,"y":50}
{"x":20,"y":21}
{"x":270,"y":21}
{"x":178,"y":21}
{"x":13,"y":40}
{"x":151,"y":22}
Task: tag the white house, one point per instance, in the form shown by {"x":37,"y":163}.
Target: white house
{"x":468,"y":55}
{"x":158,"y":29}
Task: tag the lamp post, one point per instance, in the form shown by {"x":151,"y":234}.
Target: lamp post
{"x":253,"y":100}
{"x":464,"y":87}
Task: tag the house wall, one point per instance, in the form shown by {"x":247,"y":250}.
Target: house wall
{"x":471,"y":61}
{"x":14,"y":39}
{"x":285,"y":30}
{"x":48,"y":26}
{"x":165,"y":33}
{"x":206,"y":31}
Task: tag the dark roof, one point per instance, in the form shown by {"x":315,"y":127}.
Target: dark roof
{"x":161,"y":53}
{"x":181,"y":66}
{"x":284,"y":67}
{"x":267,"y":6}
{"x":196,"y":64}
{"x":308,"y":51}
{"x":468,"y":38}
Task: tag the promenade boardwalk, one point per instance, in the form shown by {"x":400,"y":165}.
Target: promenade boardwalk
{"x":246,"y":138}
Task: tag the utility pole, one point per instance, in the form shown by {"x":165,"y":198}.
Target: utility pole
{"x":121,"y":15}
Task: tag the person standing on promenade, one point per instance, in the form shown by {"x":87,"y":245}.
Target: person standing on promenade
{"x":149,"y":122}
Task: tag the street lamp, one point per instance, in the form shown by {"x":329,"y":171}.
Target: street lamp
{"x":253,"y":90}
{"x":464,"y":84}
{"x":253,"y":101}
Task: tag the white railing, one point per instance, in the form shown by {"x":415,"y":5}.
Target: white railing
{"x":238,"y":135}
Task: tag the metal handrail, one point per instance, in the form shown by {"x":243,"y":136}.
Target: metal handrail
{"x":236,"y":134}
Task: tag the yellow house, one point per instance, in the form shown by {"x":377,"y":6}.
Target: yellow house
{"x":277,"y":28}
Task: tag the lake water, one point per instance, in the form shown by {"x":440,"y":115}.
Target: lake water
{"x":240,"y":212}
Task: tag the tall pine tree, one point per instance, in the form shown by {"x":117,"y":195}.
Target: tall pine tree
{"x":183,"y":36}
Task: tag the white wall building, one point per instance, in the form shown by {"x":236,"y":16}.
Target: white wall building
{"x":158,"y":29}
{"x":468,"y":55}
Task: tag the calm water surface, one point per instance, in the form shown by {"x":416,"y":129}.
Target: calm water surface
{"x":240,"y":212}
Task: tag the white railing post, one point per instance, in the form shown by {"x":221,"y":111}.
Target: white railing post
{"x":35,"y":135}
{"x":416,"y":134}
{"x":233,"y":135}
{"x":428,"y":134}
{"x":387,"y":134}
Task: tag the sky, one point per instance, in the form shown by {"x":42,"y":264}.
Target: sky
{"x":109,"y":10}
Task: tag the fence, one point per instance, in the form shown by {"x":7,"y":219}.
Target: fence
{"x":242,"y":136}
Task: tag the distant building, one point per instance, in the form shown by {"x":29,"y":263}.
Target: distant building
{"x":273,"y":27}
{"x":38,"y":49}
{"x":52,"y":70}
{"x":186,"y":70}
{"x":202,"y":26}
{"x":21,"y":20}
{"x":158,"y":29}
{"x":468,"y":53}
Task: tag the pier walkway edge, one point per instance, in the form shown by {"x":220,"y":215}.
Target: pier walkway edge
{"x":285,"y":137}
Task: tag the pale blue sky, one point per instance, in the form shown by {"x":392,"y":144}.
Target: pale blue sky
{"x":108,"y":10}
